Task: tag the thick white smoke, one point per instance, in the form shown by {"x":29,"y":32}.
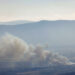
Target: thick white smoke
{"x":13,"y":49}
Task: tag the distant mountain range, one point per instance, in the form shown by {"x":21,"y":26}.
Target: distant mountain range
{"x":15,"y":22}
{"x":18,"y":22}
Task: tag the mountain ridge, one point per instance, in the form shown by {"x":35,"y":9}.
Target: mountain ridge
{"x":15,"y":22}
{"x":18,"y":22}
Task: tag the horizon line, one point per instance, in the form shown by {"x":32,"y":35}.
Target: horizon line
{"x":38,"y":20}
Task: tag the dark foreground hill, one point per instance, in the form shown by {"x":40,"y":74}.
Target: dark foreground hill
{"x":56,"y":70}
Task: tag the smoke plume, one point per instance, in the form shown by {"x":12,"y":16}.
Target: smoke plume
{"x":13,"y":49}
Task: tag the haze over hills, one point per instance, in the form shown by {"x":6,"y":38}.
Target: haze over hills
{"x":55,"y":33}
{"x":51,"y":31}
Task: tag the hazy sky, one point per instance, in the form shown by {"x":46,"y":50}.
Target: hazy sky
{"x":37,"y":10}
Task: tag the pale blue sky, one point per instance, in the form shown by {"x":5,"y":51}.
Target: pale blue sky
{"x":37,"y":10}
